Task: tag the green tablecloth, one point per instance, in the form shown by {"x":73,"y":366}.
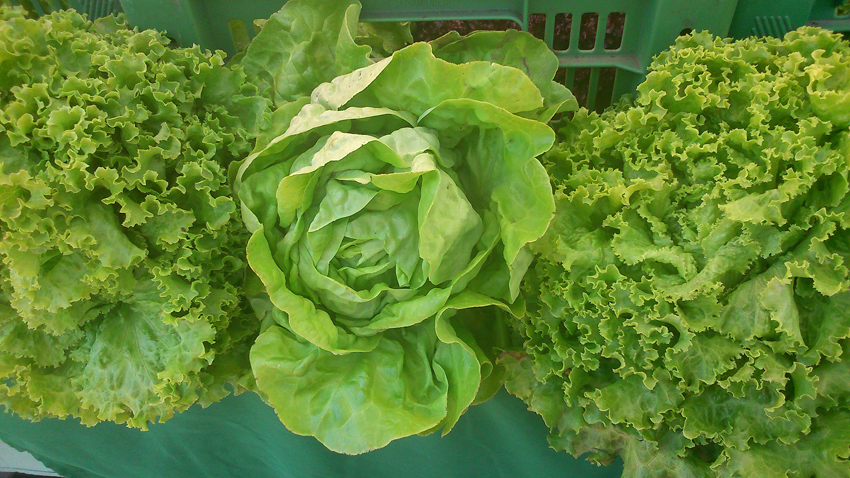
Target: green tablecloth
{"x":242,"y":437}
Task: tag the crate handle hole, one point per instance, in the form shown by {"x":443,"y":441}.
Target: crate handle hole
{"x":614,"y":30}
{"x":587,"y":31}
{"x":579,"y":83}
{"x":537,"y":25}
{"x":686,"y":31}
{"x":563,"y":29}
{"x":605,"y":87}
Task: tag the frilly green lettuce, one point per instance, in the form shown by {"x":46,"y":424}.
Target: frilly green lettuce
{"x":121,"y":249}
{"x":689,"y":309}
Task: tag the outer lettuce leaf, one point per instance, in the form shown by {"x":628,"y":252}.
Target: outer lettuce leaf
{"x":687,"y":310}
{"x":390,"y":227}
{"x":309,"y":43}
{"x":516,"y":49}
{"x":824,"y":450}
{"x":399,"y":388}
{"x":135,"y":358}
{"x":384,"y":37}
{"x":304,"y":45}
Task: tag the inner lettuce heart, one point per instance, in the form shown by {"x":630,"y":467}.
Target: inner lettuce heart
{"x":390,"y":227}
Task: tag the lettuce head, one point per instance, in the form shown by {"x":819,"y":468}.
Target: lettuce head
{"x":689,"y":308}
{"x":121,"y":248}
{"x":390,"y":220}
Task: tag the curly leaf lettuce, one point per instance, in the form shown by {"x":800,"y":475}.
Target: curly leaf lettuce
{"x":390,"y":227}
{"x":688,"y":308}
{"x":121,"y":250}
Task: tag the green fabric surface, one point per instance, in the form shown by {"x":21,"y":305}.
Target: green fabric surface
{"x":242,"y":437}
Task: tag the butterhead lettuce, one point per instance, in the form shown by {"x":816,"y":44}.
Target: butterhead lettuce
{"x":390,"y":226}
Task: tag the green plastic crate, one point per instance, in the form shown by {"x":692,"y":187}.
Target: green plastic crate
{"x":769,"y":17}
{"x":92,"y":8}
{"x":824,"y":15}
{"x":650,"y":26}
{"x":778,"y":17}
{"x":598,"y":72}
